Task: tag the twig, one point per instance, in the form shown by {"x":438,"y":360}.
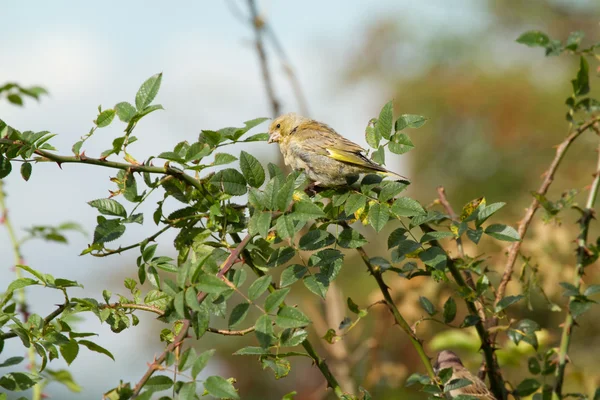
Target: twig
{"x":107,"y":253}
{"x":233,"y":257}
{"x":259,"y":24}
{"x":227,"y":332}
{"x":83,"y":159}
{"x":49,"y":318}
{"x":400,"y":321}
{"x":158,"y":361}
{"x":513,"y":251}
{"x":319,"y":362}
{"x":582,"y":253}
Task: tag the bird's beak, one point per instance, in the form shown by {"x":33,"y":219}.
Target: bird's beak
{"x":274,"y":137}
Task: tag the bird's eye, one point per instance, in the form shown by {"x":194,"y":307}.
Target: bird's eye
{"x":278,"y":126}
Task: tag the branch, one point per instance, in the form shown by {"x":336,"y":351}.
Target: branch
{"x":107,"y":253}
{"x":233,"y":257}
{"x":582,"y":253}
{"x":513,"y":251}
{"x":319,"y":362}
{"x":49,"y":318}
{"x":417,"y":343}
{"x":259,"y":24}
{"x":83,"y":159}
{"x":158,"y":361}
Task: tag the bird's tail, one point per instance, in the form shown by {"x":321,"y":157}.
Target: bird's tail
{"x":400,"y":178}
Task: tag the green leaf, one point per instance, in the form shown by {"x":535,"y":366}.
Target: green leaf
{"x":108,"y":230}
{"x":434,"y":257}
{"x":260,"y":223}
{"x":109,"y":207}
{"x":355,"y":202}
{"x":5,"y":167}
{"x":258,"y":287}
{"x":26,"y":171}
{"x":305,"y":210}
{"x":534,"y":39}
{"x":286,"y":227}
{"x":372,"y":134}
{"x":158,"y":383}
{"x":201,"y":362}
{"x":18,"y":381}
{"x":230,"y":181}
{"x":238,"y":314}
{"x":407,"y":207}
{"x":400,"y":143}
{"x":573,"y":40}
{"x":11,"y":361}
{"x":318,"y":284}
{"x":291,"y":274}
{"x":409,"y":121}
{"x":289,"y":317}
{"x":105,"y":118}
{"x":316,"y":239}
{"x":221,"y":388}
{"x":484,"y":213}
{"x":252,"y":169}
{"x":69,"y":351}
{"x":578,"y":307}
{"x":528,"y":387}
{"x":502,"y":232}
{"x":211,"y":284}
{"x":263,"y":329}
{"x":435,"y":235}
{"x":507,"y":301}
{"x":252,"y":351}
{"x":125,"y":111}
{"x":379,"y":155}
{"x":274,"y":299}
{"x":15,"y":99}
{"x":456,"y":384}
{"x":281,"y":256}
{"x":389,"y":190}
{"x":97,"y":348}
{"x":427,"y":305}
{"x":351,"y":239}
{"x":449,"y":310}
{"x":470,"y":320}
{"x":591,"y":290}
{"x":581,"y":84}
{"x":222,"y":158}
{"x":148,"y":91}
{"x":379,"y":215}
{"x":474,"y":235}
{"x":187,"y":391}
{"x":534,"y":366}
{"x":20,"y":283}
{"x":385,"y":121}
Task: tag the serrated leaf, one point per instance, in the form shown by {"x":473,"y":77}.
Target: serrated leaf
{"x":263,"y":329}
{"x":305,"y":210}
{"x":449,"y":310}
{"x":275,"y":298}
{"x":220,"y":388}
{"x":372,"y":135}
{"x":223,"y":158}
{"x":108,"y":230}
{"x":528,"y":387}
{"x":125,"y":111}
{"x":435,"y":235}
{"x":502,"y":232}
{"x":289,"y":317}
{"x":427,"y":305}
{"x":238,"y":314}
{"x":258,"y":287}
{"x":378,"y":216}
{"x":211,"y":284}
{"x":409,"y":121}
{"x":434,"y":257}
{"x":385,"y":120}
{"x":148,"y":91}
{"x":400,"y":143}
{"x":291,"y":274}
{"x":351,"y":239}
{"x":407,"y":207}
{"x":252,"y":169}
{"x":105,"y":118}
{"x":97,"y":348}
{"x":355,"y":202}
{"x":534,"y":39}
{"x":507,"y":301}
{"x":230,"y":181}
{"x":316,"y":239}
{"x":109,"y":207}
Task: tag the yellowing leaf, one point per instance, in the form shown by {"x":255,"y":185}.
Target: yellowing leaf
{"x":470,"y":207}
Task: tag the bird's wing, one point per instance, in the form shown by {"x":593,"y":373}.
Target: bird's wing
{"x":331,"y":144}
{"x":477,"y":389}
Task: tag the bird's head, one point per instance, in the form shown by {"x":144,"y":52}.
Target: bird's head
{"x":283,"y":126}
{"x":446,"y":359}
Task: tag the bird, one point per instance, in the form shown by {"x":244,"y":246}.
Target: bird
{"x":449,"y":359}
{"x":327,"y":158}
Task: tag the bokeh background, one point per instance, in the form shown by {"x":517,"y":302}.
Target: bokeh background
{"x":495,"y":109}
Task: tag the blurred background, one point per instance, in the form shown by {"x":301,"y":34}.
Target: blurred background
{"x":495,"y":110}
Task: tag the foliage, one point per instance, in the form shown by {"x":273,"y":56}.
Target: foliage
{"x":251,"y":219}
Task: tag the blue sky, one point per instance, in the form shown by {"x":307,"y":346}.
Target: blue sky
{"x":98,"y":53}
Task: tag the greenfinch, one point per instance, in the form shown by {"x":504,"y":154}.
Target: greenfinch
{"x":328,"y":158}
{"x":477,"y":389}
